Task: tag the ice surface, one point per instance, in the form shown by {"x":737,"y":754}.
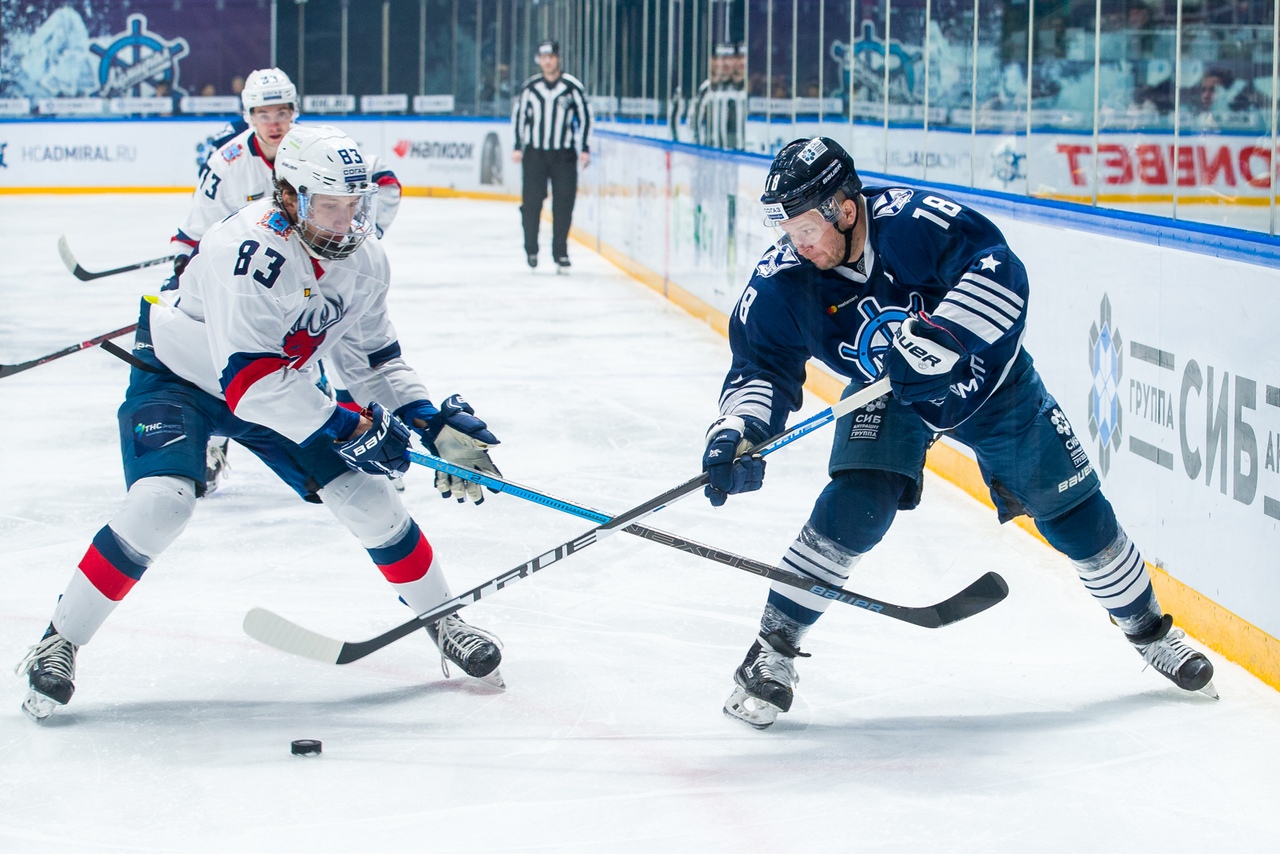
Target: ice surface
{"x":1031,"y":727}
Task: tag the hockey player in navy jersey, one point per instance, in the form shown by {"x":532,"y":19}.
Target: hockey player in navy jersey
{"x":272,"y":289}
{"x":908,"y":283}
{"x":239,"y":171}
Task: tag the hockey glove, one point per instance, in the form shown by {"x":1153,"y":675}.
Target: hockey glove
{"x":455,"y":434}
{"x":380,"y":449}
{"x":727,"y":438}
{"x":921,"y":363}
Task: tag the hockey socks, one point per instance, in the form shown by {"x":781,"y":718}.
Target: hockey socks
{"x":154,"y":513}
{"x":407,"y":562}
{"x":791,"y":610}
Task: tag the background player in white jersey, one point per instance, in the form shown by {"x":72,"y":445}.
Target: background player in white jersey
{"x":855,"y":267}
{"x":232,"y":350}
{"x":240,"y":172}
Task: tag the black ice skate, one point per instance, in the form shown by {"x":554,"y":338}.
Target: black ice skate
{"x":51,"y":670}
{"x":766,"y":681}
{"x":562,"y":264}
{"x":533,"y":260}
{"x":476,"y":651}
{"x":1163,"y":649}
{"x":215,"y":463}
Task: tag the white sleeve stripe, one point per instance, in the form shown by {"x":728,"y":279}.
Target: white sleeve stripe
{"x":976,"y":324}
{"x":763,"y":413}
{"x":752,"y":397}
{"x":995,"y":286}
{"x":992,"y":300}
{"x":979,"y":306}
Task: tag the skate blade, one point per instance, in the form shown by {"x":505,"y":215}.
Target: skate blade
{"x":38,"y":707}
{"x":1209,"y":691}
{"x":494,"y":679}
{"x":562,"y":271}
{"x":752,"y":711}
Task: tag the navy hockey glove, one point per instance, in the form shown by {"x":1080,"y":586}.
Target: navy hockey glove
{"x":727,"y":437}
{"x":380,"y":449}
{"x":921,"y":363}
{"x":454,"y":433}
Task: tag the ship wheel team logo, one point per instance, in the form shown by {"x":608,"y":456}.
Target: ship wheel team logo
{"x":136,"y":61}
{"x":875,"y":336}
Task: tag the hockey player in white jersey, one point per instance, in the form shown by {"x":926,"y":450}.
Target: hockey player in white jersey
{"x":272,"y":289}
{"x":240,"y":172}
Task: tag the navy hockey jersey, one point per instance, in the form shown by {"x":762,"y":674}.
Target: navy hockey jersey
{"x":923,"y":252}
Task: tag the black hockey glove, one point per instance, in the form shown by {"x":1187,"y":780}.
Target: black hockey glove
{"x":180,"y":263}
{"x":454,"y":433}
{"x":922,"y":363}
{"x":727,"y":438}
{"x":380,"y":449}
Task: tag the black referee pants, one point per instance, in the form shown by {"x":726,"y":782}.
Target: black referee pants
{"x":561,"y":168}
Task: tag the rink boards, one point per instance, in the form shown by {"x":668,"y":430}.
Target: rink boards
{"x":1151,"y":335}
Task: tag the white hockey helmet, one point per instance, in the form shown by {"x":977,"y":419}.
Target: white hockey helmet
{"x":336,"y":198}
{"x":268,"y":87}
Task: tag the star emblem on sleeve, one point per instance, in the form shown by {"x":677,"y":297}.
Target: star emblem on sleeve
{"x":989,"y":263}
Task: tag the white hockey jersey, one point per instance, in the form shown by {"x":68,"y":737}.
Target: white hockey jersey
{"x":254,"y":312}
{"x":238,"y":173}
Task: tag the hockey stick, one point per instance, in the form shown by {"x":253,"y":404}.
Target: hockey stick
{"x":983,"y":593}
{"x":85,"y":276}
{"x":273,"y":630}
{"x":7,"y":370}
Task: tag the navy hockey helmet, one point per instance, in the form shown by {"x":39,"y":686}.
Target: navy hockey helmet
{"x":806,"y":175}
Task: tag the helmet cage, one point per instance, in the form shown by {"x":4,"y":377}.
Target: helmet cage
{"x":329,"y":245}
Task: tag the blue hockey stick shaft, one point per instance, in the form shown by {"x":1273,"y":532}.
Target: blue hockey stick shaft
{"x":861,"y":398}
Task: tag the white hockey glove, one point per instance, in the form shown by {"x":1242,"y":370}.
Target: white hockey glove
{"x":922,"y":362}
{"x":456,"y":435}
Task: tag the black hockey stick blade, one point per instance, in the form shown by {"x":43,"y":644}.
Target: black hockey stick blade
{"x":85,"y":276}
{"x":986,"y":591}
{"x":8,"y":370}
{"x":974,"y":599}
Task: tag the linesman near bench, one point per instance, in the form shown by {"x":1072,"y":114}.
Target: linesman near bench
{"x":552,"y":123}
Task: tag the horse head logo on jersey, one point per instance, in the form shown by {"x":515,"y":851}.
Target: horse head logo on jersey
{"x":310,"y":329}
{"x":875,"y":336}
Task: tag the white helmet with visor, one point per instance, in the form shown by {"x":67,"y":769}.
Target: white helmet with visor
{"x":336,"y":198}
{"x":268,"y":88}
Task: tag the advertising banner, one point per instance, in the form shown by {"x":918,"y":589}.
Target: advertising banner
{"x":116,"y":48}
{"x":463,"y":155}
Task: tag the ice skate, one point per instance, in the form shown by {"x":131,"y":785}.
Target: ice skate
{"x":51,"y":670}
{"x":563,"y":265}
{"x":532,"y":258}
{"x":215,"y":463}
{"x":765,"y":681}
{"x":1163,"y":649}
{"x":476,"y":651}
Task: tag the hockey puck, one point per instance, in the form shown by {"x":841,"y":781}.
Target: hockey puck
{"x":305,"y":747}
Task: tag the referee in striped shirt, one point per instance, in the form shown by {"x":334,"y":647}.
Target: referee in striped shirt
{"x":552,"y":122}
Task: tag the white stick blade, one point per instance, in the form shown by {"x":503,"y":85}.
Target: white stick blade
{"x":67,"y":258}
{"x":273,"y":630}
